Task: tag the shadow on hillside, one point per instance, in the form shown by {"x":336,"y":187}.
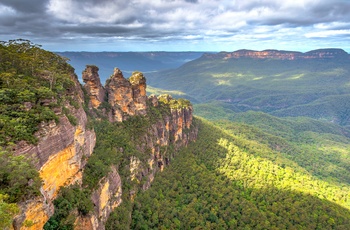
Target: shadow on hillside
{"x":193,"y":194}
{"x":248,"y":170}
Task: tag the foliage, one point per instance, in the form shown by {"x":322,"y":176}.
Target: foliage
{"x":223,"y":181}
{"x":7,"y":211}
{"x":114,"y":143}
{"x":320,"y":147}
{"x":313,"y":88}
{"x":180,"y":103}
{"x":120,"y":218}
{"x":18,"y":178}
{"x":136,"y":77}
{"x":69,"y":199}
{"x":32,"y":82}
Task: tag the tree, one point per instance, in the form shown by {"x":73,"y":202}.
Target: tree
{"x":7,"y":211}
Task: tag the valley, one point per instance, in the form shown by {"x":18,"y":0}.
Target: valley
{"x":128,"y":62}
{"x":234,"y":140}
{"x":316,"y":87}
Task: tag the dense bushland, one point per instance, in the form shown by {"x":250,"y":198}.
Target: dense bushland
{"x":224,"y":181}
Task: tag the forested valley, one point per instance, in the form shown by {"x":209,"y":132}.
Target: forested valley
{"x":232,"y":178}
{"x":247,"y":169}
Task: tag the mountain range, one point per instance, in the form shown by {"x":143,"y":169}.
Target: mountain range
{"x":128,"y":61}
{"x":263,"y":143}
{"x":281,"y":83}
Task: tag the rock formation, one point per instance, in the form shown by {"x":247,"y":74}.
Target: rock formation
{"x":64,"y":147}
{"x":105,"y":199}
{"x":126,"y":97}
{"x":175,"y":129}
{"x":60,"y":155}
{"x":282,"y":55}
{"x":93,"y":85}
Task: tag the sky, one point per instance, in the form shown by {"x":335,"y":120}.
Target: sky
{"x":177,"y":25}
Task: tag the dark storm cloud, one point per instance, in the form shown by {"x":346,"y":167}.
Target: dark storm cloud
{"x":30,"y":6}
{"x":174,"y":19}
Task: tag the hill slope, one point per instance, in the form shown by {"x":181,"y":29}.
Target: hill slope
{"x":282,"y":83}
{"x":69,"y":154}
{"x":128,"y":61}
{"x":224,"y":181}
{"x":94,"y":157}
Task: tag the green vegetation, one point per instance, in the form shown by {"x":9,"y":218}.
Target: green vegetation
{"x":7,"y":212}
{"x":32,"y":83}
{"x":136,"y":77}
{"x":156,"y":91}
{"x":320,"y":147}
{"x":116,"y":143}
{"x":314,"y":88}
{"x":180,"y":103}
{"x":247,"y":170}
{"x":225,"y":181}
{"x":19,"y":180}
{"x":70,"y":200}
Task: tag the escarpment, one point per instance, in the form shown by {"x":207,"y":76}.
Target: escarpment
{"x":60,"y":155}
{"x":282,"y":55}
{"x":68,"y":148}
{"x":159,"y":127}
{"x":105,"y":198}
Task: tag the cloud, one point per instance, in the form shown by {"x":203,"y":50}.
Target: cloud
{"x":164,"y":20}
{"x":22,"y":6}
{"x":328,"y":33}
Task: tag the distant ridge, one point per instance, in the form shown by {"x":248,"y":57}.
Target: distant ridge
{"x":128,"y":62}
{"x":330,"y":53}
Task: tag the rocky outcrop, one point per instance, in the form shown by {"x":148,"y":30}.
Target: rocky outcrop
{"x":105,"y":199}
{"x":36,"y":211}
{"x":165,"y":135}
{"x":93,"y":85}
{"x":64,"y":146}
{"x":282,"y":55}
{"x":163,"y":139}
{"x":126,"y":97}
{"x":60,"y":155}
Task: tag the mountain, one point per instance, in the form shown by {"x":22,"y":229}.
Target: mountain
{"x":282,"y":83}
{"x":109,"y":156}
{"x":237,"y":177}
{"x":71,"y":154}
{"x":128,"y":62}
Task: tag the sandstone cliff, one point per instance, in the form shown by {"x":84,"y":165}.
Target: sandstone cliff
{"x":60,"y":156}
{"x":93,"y":85}
{"x":282,"y":55}
{"x":65,"y":146}
{"x":126,"y":97}
{"x":166,"y":132}
{"x":71,"y":154}
{"x":105,"y":199}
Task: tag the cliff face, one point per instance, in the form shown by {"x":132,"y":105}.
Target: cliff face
{"x":174,"y":129}
{"x":105,"y":199}
{"x":93,"y":85}
{"x":60,"y":155}
{"x":64,"y":147}
{"x":126,"y":97}
{"x":165,"y":135}
{"x":282,"y":55}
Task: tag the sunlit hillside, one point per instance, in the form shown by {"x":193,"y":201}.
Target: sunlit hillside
{"x":317,"y":88}
{"x":235,"y":177}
